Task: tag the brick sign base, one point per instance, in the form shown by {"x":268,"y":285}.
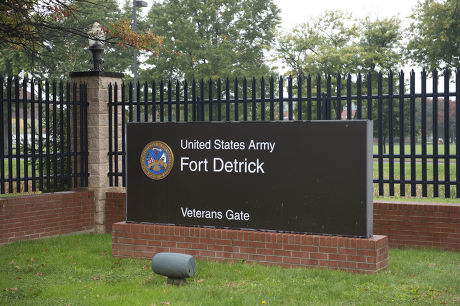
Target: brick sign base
{"x":361,"y":255}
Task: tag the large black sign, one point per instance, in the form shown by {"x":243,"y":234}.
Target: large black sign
{"x":298,"y":176}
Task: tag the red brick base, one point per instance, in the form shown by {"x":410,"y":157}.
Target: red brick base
{"x":49,"y":214}
{"x":419,"y":225}
{"x":287,"y":250}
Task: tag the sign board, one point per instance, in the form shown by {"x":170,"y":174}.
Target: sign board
{"x":297,"y":176}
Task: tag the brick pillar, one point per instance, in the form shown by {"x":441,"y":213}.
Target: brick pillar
{"x":98,"y":129}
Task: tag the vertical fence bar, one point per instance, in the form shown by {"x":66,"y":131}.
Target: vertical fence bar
{"x":272,"y":98}
{"x":82,"y":147}
{"x":299,"y":97}
{"x":210,"y":94}
{"x":61,"y":133}
{"x":435,"y":135}
{"x":146,"y":104}
{"x":18,"y":135}
{"x":262,"y":98}
{"x":40,"y":136}
{"x":326,"y":107}
{"x":227,"y":99}
{"x":412,"y":135}
{"x":457,"y":129}
{"x":253,"y":93}
{"x":290,"y":111}
{"x":154,"y":102}
{"x":47,"y":133}
{"x":111,"y":150}
{"x":33,"y":134}
{"x":201,"y":101}
{"x":115,"y":128}
{"x":75,"y":135}
{"x":25,"y":136}
{"x":202,"y":108}
{"x":380,"y":132}
{"x":68,"y":137}
{"x":186,"y":101}
{"x":327,"y":101}
{"x":169,"y":101}
{"x":138,"y":101}
{"x":390,"y":134}
{"x":424,"y":144}
{"x":359,"y":97}
{"x":2,"y":141}
{"x":219,"y":100}
{"x":237,"y":118}
{"x":177,"y":101}
{"x":338,"y":114}
{"x":402,"y":163}
{"x":10,"y":134}
{"x":123,"y":129}
{"x":369,"y":96}
{"x":55,"y":172}
{"x":194,"y":106}
{"x":318,"y":97}
{"x":280,"y":96}
{"x":162,"y":110}
{"x":446,"y":135}
{"x":130,"y":113}
{"x":309,"y":99}
{"x":245,"y":100}
{"x":349,"y":110}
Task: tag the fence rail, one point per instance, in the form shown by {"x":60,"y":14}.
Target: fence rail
{"x":43,"y":136}
{"x":419,"y":129}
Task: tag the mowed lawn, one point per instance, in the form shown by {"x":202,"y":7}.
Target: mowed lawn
{"x":79,"y":270}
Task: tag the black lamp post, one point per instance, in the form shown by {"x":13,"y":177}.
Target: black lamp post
{"x":96,"y":35}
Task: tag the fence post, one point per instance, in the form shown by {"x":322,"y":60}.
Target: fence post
{"x":97,"y":83}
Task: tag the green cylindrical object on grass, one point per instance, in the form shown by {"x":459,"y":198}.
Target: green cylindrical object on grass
{"x":174,"y":265}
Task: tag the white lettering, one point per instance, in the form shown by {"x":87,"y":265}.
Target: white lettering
{"x":238,"y":216}
{"x":201,"y":165}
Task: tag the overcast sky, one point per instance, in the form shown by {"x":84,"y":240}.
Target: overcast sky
{"x":299,"y":11}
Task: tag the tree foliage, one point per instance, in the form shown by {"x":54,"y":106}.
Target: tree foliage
{"x":435,"y":34}
{"x":48,"y":38}
{"x":338,"y":43}
{"x":325,"y":46}
{"x":212,"y":38}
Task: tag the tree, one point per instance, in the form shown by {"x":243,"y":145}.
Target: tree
{"x":60,"y":57}
{"x":380,"y":44}
{"x":434,"y":34}
{"x":325,"y":46}
{"x":339,"y":44}
{"x":48,"y":37}
{"x":210,"y":39}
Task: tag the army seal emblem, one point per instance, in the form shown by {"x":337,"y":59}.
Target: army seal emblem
{"x":157,"y":160}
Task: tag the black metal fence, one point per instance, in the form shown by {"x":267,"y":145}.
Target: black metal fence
{"x":43,"y":136}
{"x":416,"y":133}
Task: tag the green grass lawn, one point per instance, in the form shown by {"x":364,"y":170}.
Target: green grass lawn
{"x":79,"y":270}
{"x":418,"y":148}
{"x":418,"y":170}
